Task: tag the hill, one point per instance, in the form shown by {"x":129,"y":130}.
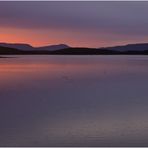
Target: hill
{"x":27,"y":47}
{"x":131,"y":49}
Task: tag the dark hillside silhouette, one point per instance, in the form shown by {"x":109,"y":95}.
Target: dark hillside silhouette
{"x":27,"y":47}
{"x":131,"y":49}
{"x":84,"y":51}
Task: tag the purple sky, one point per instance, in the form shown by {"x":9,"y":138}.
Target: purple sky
{"x":91,"y":24}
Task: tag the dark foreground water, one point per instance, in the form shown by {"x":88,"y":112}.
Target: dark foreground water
{"x":74,"y":101}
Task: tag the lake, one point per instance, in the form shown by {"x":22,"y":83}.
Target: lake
{"x":74,"y":100}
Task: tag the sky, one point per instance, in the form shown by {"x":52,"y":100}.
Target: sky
{"x":75,"y":23}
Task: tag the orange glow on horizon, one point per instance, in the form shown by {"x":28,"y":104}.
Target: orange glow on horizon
{"x":24,"y":36}
{"x":47,"y":37}
{"x":43,"y":37}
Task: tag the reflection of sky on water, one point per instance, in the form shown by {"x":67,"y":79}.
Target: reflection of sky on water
{"x":73,"y":101}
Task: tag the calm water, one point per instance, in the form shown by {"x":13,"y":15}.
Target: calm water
{"x":74,"y":101}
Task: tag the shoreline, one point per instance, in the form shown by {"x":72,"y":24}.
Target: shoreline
{"x":3,"y":57}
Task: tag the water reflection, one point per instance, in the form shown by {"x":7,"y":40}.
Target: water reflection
{"x":74,"y":101}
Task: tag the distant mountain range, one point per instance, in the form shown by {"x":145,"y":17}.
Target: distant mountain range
{"x":62,"y":49}
{"x":130,"y":47}
{"x":27,"y":47}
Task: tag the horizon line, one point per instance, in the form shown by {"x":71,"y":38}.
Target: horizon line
{"x":21,"y":43}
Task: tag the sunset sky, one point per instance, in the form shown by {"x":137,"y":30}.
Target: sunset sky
{"x":87,"y":24}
